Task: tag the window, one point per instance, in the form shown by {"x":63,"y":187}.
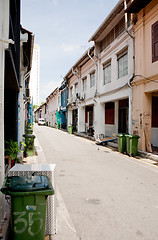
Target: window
{"x":70,"y":92}
{"x":155,"y":42}
{"x":109,"y":113}
{"x":107,"y":74}
{"x":114,"y":33}
{"x":59,"y":100}
{"x":84,"y":81}
{"x":76,"y":88}
{"x":122,"y":65}
{"x":92,"y":79}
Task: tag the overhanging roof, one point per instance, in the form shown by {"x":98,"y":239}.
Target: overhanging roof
{"x":116,"y":10}
{"x":28,"y":48}
{"x":80,"y":62}
{"x":137,"y":5}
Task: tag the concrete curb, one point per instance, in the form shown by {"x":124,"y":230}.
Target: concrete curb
{"x":142,"y":154}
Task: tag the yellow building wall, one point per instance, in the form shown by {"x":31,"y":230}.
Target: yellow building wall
{"x":143,"y":88}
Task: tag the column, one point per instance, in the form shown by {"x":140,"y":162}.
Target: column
{"x":99,"y":119}
{"x":116,"y":116}
{"x":81,"y":119}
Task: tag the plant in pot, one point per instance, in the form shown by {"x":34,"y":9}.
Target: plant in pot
{"x":11,"y":151}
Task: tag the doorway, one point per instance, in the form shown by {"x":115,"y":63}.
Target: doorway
{"x":74,"y":120}
{"x":123,"y":116}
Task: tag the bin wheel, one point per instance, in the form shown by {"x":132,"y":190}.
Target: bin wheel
{"x":130,"y":154}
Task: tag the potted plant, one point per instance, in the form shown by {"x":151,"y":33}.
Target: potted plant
{"x":11,"y":151}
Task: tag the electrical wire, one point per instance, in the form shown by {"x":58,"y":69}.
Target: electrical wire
{"x":138,"y":75}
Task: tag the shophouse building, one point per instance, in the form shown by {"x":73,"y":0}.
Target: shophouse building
{"x":52,"y":108}
{"x":145,"y":83}
{"x":81,"y":92}
{"x":4,"y":44}
{"x":25,"y":106}
{"x":100,"y":82}
{"x":114,"y":71}
{"x":64,"y":93}
{"x":43,"y":111}
{"x":15,"y":65}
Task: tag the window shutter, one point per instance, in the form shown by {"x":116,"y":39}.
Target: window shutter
{"x":155,"y":42}
{"x":110,"y":113}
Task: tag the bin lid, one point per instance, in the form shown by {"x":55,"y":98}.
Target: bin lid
{"x":120,"y":135}
{"x":27,"y":184}
{"x":133,"y":136}
{"x":29,"y":136}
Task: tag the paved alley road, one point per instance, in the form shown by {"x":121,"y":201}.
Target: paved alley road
{"x":109,"y":196}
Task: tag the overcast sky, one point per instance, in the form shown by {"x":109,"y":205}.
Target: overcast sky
{"x":62,"y":29}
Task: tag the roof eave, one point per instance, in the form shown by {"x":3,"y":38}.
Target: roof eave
{"x":79,"y":61}
{"x":118,"y":7}
{"x":136,"y":6}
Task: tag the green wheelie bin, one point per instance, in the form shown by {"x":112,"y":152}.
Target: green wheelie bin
{"x":29,"y":141}
{"x":28,"y":205}
{"x":29,"y":131}
{"x":70,"y":129}
{"x":121,"y":142}
{"x":131,"y":144}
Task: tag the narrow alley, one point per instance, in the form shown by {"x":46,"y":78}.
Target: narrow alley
{"x":108,"y":195}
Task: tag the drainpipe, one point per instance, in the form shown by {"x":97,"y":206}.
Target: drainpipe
{"x":130,"y":104}
{"x":96,"y":64}
{"x":95,"y":94}
{"x":133,"y":70}
{"x":79,"y":87}
{"x":78,"y":76}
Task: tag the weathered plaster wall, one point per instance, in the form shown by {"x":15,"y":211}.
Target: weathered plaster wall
{"x":143,"y":88}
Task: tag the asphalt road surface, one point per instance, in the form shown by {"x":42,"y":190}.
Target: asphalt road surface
{"x":108,"y":195}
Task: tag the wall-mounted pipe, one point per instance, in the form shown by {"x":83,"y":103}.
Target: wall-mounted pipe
{"x":96,"y":78}
{"x":133,"y":71}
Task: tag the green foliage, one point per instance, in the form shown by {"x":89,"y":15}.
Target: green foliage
{"x":12,"y":149}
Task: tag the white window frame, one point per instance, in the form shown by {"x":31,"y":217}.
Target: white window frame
{"x":122,"y":60}
{"x":84,"y":82}
{"x":107,"y":73}
{"x":71,"y":88}
{"x":92,"y":79}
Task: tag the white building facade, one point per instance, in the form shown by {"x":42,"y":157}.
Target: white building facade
{"x":35,"y":75}
{"x":103,"y":75}
{"x":52,"y":107}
